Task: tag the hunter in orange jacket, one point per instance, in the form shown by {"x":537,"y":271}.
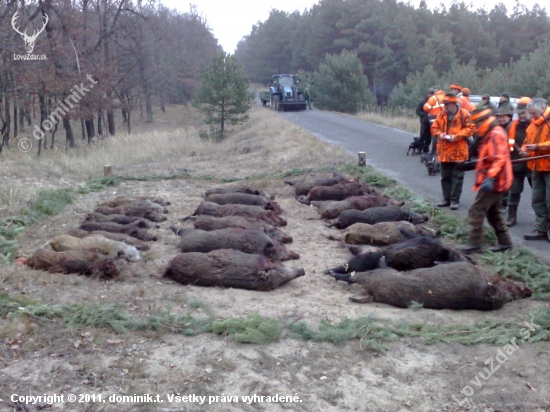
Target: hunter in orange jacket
{"x":459,"y":127}
{"x":538,"y":140}
{"x":434,"y":105}
{"x":465,"y":100}
{"x":493,"y":180}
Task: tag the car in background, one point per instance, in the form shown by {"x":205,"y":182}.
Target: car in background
{"x":475,"y":99}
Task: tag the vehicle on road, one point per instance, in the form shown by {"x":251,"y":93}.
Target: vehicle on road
{"x":284,"y":93}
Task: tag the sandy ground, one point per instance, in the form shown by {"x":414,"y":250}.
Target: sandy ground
{"x":410,"y":376}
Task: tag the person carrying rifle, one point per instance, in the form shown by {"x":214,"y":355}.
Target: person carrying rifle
{"x":517,"y":131}
{"x":537,"y":143}
{"x":493,"y":179}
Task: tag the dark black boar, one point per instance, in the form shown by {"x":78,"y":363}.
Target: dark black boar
{"x":209,"y":223}
{"x":133,"y":210}
{"x":332,"y":209}
{"x":120,"y":219}
{"x":304,"y":185}
{"x":130,"y":230}
{"x":247,"y":241}
{"x":74,"y":261}
{"x":452,"y":286}
{"x":255,"y":212}
{"x":236,"y":189}
{"x":376,"y":215}
{"x":231,"y":269}
{"x":367,"y":258}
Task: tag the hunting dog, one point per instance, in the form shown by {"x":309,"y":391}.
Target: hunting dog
{"x":431,"y":162}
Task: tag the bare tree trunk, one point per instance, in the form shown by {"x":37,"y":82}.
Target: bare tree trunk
{"x":83,"y":129}
{"x":53,"y":135}
{"x":14,"y":119}
{"x":69,"y":136}
{"x":110,"y":116}
{"x":148,"y":107}
{"x":22,"y":119}
{"x":7,"y":119}
{"x":33,"y":109}
{"x":42,"y":101}
{"x":99,"y":124}
{"x":90,"y":131}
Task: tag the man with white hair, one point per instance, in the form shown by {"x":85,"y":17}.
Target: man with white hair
{"x":537,"y":143}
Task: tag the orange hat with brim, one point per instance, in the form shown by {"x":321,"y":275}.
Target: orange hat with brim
{"x":522,"y":104}
{"x":455,"y":87}
{"x":465,"y":91}
{"x":481,"y":114}
{"x":450,"y":98}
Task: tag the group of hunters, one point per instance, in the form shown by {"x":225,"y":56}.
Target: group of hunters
{"x":458,"y":131}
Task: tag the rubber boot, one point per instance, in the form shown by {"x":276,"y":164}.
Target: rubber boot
{"x":512,"y":216}
{"x":504,"y":241}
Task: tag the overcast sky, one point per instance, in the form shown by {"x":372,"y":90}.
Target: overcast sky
{"x":230,"y":20}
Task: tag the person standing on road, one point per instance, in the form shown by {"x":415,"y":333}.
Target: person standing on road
{"x":516,"y":135}
{"x":452,"y":128}
{"x":425,"y":135}
{"x":537,"y":143}
{"x":307,"y":96}
{"x":486,"y":102}
{"x":504,"y":101}
{"x":466,"y":100}
{"x":504,"y":119}
{"x":493,"y":179}
{"x":433,"y":107}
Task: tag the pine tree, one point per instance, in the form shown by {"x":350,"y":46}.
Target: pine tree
{"x":224,"y":96}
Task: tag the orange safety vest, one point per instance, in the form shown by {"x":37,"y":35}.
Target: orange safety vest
{"x":434,"y":105}
{"x":538,"y":133}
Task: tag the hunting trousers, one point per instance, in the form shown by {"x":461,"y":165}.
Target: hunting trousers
{"x":487,"y":205}
{"x":451,"y":181}
{"x":514,"y":195}
{"x":541,"y":200}
{"x":425,"y":137}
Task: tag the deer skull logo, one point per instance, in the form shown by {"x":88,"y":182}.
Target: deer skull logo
{"x":29,"y":40}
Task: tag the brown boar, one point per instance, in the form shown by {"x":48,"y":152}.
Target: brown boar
{"x":244,"y":199}
{"x":75,"y":261}
{"x":304,"y":185}
{"x":332,"y":209}
{"x":339,"y":191}
{"x":209,"y":223}
{"x":452,"y":286}
{"x":254,"y":212}
{"x":132,"y":210}
{"x":376,"y":215}
{"x":122,"y":201}
{"x":120,"y":219}
{"x":384,"y":233}
{"x":120,"y":237}
{"x":231,"y":269}
{"x":236,"y":189}
{"x":130,"y":230}
{"x":247,"y":241}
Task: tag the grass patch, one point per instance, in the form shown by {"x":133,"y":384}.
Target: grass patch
{"x":253,"y":328}
{"x":523,"y":265}
{"x":50,"y":202}
{"x":372,"y":333}
{"x":368,"y":175}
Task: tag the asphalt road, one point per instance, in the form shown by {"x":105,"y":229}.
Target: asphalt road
{"x":386,"y":150}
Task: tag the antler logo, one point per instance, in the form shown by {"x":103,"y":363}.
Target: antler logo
{"x":29,"y":40}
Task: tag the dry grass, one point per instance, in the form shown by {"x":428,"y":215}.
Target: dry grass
{"x":398,"y":119}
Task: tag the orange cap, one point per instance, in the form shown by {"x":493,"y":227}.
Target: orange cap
{"x":465,"y":91}
{"x":455,"y":87}
{"x":450,"y":98}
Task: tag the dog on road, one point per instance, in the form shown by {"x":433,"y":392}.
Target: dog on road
{"x":432,"y":163}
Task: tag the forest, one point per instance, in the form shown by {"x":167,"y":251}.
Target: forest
{"x":129,"y":50}
{"x":397,"y":43}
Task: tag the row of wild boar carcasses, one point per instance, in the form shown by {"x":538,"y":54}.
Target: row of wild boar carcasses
{"x":396,"y":256}
{"x":236,"y":242}
{"x":115,"y":232}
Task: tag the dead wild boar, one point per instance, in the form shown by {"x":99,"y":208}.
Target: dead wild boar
{"x":247,"y":241}
{"x":130,"y":230}
{"x":133,"y":210}
{"x":254,"y":212}
{"x":339,"y":191}
{"x":452,"y":286}
{"x":332,"y":209}
{"x":95,"y":243}
{"x":383,"y":233}
{"x":243,"y":199}
{"x":236,"y":189}
{"x":74,"y":261}
{"x":304,"y":185}
{"x":209,"y":223}
{"x":120,"y":237}
{"x":120,"y":219}
{"x":124,"y":200}
{"x":376,"y":215}
{"x":231,"y":269}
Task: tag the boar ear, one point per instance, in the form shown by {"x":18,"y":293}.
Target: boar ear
{"x":120,"y":254}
